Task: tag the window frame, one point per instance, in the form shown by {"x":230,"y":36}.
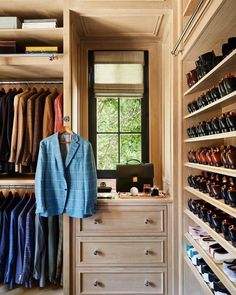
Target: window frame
{"x":92,"y":115}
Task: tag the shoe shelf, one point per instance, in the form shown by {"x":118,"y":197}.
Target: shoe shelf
{"x":216,"y":268}
{"x":212,"y":137}
{"x":16,"y":181}
{"x":35,"y":36}
{"x":198,"y":276}
{"x":218,"y":237}
{"x":217,"y":203}
{"x":222,"y":102}
{"x":27,"y":66}
{"x":220,"y":170}
{"x":226,"y":66}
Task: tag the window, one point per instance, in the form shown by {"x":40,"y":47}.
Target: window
{"x":118,"y":109}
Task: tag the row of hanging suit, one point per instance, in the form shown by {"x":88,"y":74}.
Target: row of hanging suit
{"x":26,"y":117}
{"x":31,"y":246}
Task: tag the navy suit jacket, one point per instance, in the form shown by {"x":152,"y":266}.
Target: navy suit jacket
{"x":68,"y":186}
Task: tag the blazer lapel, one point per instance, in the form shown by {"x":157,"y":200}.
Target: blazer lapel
{"x":73,"y":149}
{"x":58,"y":150}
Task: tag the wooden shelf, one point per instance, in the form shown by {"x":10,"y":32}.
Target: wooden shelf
{"x":217,"y":203}
{"x":218,"y":237}
{"x":220,"y":170}
{"x":226,"y":66}
{"x":222,"y":102}
{"x":211,"y":30}
{"x":37,"y":9}
{"x":217,"y":268}
{"x":190,"y":7}
{"x":198,"y":276}
{"x":27,"y":66}
{"x":50,"y":36}
{"x":212,"y":137}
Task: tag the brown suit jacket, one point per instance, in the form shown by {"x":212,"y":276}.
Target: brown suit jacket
{"x":12,"y":157}
{"x":58,"y":107}
{"x":22,"y":119}
{"x":49,"y":114}
{"x":38,"y":124}
{"x":29,"y":130}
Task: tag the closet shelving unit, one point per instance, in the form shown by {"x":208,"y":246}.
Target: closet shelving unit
{"x":26,"y":67}
{"x":210,"y":32}
{"x":198,"y":276}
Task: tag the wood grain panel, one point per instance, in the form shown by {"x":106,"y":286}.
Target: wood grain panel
{"x":120,"y":251}
{"x":121,"y":282}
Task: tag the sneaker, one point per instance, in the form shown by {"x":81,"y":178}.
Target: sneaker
{"x":231,"y":273}
{"x":206,"y":242}
{"x":213,"y":247}
{"x":219,"y":289}
{"x":221,"y":255}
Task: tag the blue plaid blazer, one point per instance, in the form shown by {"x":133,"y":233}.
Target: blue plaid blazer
{"x":66,"y":186}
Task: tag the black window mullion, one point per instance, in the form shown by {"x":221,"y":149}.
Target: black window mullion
{"x":119,"y":130}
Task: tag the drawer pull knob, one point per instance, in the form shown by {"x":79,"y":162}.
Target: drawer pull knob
{"x":96,"y":252}
{"x":146,"y":283}
{"x":96,"y":284}
{"x":147,"y":252}
{"x":147,"y":221}
{"x":97,"y":221}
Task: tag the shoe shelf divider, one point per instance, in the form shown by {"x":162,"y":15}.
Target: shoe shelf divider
{"x":212,"y":137}
{"x":198,"y":276}
{"x":213,"y":77}
{"x":227,"y":245}
{"x":219,"y":170}
{"x":217,"y":203}
{"x":216,"y":268}
{"x":220,"y":103}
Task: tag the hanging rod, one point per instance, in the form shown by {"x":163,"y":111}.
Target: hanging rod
{"x":31,"y":82}
{"x":173,"y":52}
{"x":17,"y":186}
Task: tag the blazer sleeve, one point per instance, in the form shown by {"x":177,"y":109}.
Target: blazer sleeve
{"x":90,"y":183}
{"x":40,"y":180}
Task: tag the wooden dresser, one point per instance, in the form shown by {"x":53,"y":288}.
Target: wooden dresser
{"x":124,"y":248}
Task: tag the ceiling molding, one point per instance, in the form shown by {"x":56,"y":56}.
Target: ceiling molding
{"x":132,"y":25}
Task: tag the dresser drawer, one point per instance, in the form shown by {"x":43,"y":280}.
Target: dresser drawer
{"x":120,"y":251}
{"x":116,"y":282}
{"x":125,"y":220}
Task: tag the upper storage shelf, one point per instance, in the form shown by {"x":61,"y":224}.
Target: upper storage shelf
{"x":216,"y":74}
{"x":50,"y":36}
{"x":33,"y":9}
{"x":217,"y":24}
{"x":26,"y":66}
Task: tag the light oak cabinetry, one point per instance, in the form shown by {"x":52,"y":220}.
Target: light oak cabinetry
{"x":214,"y":26}
{"x":123,"y":248}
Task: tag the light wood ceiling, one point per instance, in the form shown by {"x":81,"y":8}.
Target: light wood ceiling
{"x":114,"y":19}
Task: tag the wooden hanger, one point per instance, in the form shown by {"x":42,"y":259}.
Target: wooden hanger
{"x":65,"y":129}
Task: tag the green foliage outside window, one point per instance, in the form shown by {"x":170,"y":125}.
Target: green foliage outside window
{"x":118,"y":131}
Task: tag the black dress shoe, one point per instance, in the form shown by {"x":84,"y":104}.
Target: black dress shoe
{"x":232,"y":234}
{"x":229,"y":83}
{"x":232,"y":43}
